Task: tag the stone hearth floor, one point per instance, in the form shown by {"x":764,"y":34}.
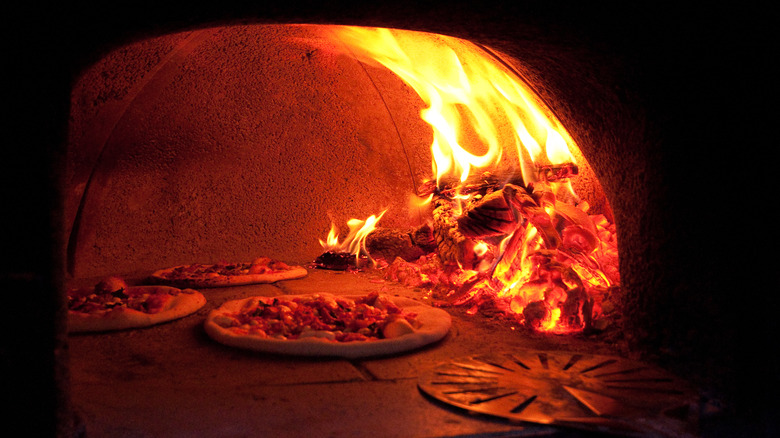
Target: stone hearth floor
{"x":172,"y":380}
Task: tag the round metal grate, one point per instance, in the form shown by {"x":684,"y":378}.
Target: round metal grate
{"x":583,"y":391}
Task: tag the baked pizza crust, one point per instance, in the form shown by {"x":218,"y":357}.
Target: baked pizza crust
{"x":161,"y":277}
{"x":186,"y":302}
{"x":434,"y":324}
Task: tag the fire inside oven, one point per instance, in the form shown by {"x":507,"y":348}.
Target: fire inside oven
{"x":426,"y":165}
{"x":227,"y":144}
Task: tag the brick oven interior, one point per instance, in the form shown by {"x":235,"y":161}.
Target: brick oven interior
{"x":642,"y":92}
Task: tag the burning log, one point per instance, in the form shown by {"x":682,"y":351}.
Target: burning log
{"x":337,"y":252}
{"x":454,"y":231}
{"x":449,"y":240}
{"x":492,"y":215}
{"x":557,"y":173}
{"x":338,"y":261}
{"x":497,"y":213}
{"x":480,"y":185}
{"x":410,"y":245}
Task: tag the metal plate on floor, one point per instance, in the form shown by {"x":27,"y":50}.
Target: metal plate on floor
{"x":583,"y":391}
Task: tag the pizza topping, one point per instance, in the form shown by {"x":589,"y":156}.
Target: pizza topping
{"x":112,"y":293}
{"x":339,"y":319}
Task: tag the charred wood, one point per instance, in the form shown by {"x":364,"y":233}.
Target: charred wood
{"x":475,"y":184}
{"x":339,"y":261}
{"x":557,"y":172}
{"x":410,"y":245}
{"x":491,"y":215}
{"x":449,"y":240}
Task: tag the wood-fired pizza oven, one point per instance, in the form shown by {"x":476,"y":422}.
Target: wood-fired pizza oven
{"x":149,"y":137}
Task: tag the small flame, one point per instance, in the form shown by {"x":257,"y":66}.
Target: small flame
{"x":355,"y":242}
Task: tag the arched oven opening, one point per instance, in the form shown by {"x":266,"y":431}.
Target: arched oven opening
{"x":136,"y":115}
{"x":467,"y":159}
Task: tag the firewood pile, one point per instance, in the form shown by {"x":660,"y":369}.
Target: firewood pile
{"x":529,"y":250}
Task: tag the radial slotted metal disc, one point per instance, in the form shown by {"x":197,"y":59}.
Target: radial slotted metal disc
{"x":582,"y":391}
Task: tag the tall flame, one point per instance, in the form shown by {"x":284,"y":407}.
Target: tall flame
{"x":483,"y":116}
{"x":465,"y":92}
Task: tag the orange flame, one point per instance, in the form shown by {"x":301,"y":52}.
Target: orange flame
{"x":355,"y":242}
{"x":466,"y":89}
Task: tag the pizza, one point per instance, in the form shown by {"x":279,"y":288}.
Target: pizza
{"x":324,"y":324}
{"x":113,"y":305}
{"x":196,"y":275}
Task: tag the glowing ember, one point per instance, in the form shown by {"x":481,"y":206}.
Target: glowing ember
{"x":509,"y":229}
